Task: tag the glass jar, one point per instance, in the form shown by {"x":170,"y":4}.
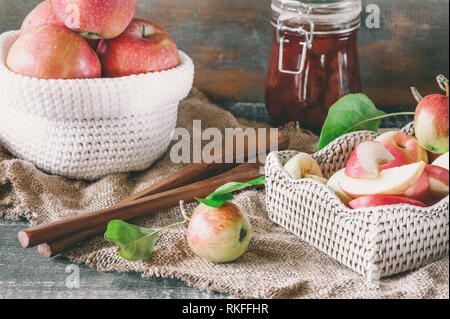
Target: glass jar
{"x":314,"y":59}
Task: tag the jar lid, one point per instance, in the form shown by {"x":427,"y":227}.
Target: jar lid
{"x":327,"y":15}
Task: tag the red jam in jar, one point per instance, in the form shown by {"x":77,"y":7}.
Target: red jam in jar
{"x":314,"y":59}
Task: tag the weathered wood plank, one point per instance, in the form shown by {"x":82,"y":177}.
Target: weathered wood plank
{"x":230,"y":42}
{"x":24,"y":273}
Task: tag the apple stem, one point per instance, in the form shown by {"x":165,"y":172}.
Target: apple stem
{"x":443,"y":83}
{"x":89,"y":35}
{"x":185,"y":221}
{"x":417,"y":96}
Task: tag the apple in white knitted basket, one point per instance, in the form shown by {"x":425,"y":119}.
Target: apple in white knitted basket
{"x":42,"y":14}
{"x":96,"y":18}
{"x":143,"y":47}
{"x":53,"y":52}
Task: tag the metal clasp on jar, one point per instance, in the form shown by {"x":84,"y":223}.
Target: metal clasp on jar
{"x":289,"y":10}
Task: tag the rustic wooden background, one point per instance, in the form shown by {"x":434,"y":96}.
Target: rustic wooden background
{"x":230,"y":42}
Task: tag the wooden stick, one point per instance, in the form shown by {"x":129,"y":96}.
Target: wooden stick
{"x":191,"y":174}
{"x":49,"y":232}
{"x":241,"y":150}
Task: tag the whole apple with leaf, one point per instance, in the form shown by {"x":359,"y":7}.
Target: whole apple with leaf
{"x":217,"y":230}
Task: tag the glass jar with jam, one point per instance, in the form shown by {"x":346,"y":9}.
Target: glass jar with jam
{"x":314,"y":59}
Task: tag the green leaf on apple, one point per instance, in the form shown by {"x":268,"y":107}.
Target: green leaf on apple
{"x":224,"y":192}
{"x":351,"y":113}
{"x":135,"y":243}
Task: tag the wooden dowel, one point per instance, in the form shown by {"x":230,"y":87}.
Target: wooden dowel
{"x":191,"y":174}
{"x":49,"y":232}
{"x":198,"y":171}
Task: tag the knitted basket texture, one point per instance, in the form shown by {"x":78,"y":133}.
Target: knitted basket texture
{"x":89,"y":128}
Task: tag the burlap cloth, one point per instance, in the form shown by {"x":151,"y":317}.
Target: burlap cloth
{"x":276,"y":265}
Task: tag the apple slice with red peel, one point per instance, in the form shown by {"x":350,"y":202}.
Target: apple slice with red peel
{"x":366,"y":159}
{"x":442,"y":161}
{"x":382,"y":200}
{"x":334,"y":184}
{"x":421,"y":188}
{"x":439,"y":180}
{"x":403,"y":147}
{"x":392,"y":181}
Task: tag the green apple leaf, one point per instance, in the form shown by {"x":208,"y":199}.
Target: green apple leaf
{"x":350,"y":113}
{"x":135,"y":243}
{"x":224,"y":192}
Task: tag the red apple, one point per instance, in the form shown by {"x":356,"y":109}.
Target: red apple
{"x":431,"y":123}
{"x":143,"y":47}
{"x":42,"y":14}
{"x":404,"y":148}
{"x":382,"y":200}
{"x":392,"y":181}
{"x":439,"y":180}
{"x":366,"y":159}
{"x":218,"y":234}
{"x":53,"y":52}
{"x":421,"y":188}
{"x":96,"y":18}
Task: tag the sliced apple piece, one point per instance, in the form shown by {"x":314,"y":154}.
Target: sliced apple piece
{"x":442,"y":161}
{"x":392,"y":181}
{"x":366,"y":159}
{"x":302,"y":164}
{"x":334,"y":184}
{"x":403,"y":147}
{"x":439,"y":180}
{"x":421,"y":188}
{"x":382,"y":200}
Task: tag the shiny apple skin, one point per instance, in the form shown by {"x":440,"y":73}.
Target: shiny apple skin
{"x":431,"y":123}
{"x":131,"y":53}
{"x":217,"y":234}
{"x":104,"y":18}
{"x":53,"y":52}
{"x":404,"y":148}
{"x":42,"y":14}
{"x":382,"y":200}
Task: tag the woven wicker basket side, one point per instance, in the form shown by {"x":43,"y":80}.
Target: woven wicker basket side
{"x":375,"y":242}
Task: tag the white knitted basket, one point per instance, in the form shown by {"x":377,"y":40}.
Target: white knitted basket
{"x":89,"y":128}
{"x":375,"y":242}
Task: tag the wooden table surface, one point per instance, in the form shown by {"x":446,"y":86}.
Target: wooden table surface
{"x":24,"y":273}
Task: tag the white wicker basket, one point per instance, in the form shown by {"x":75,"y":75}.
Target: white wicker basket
{"x":375,"y":242}
{"x":89,"y":128}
